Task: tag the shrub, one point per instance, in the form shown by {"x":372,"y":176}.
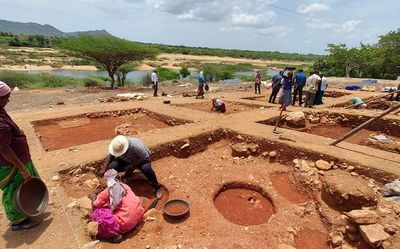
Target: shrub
{"x":92,"y":81}
{"x":184,"y":72}
{"x":166,"y":74}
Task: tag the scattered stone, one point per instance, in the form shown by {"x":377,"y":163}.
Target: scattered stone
{"x":84,"y":203}
{"x":55,"y":178}
{"x":92,"y":183}
{"x":184,"y":146}
{"x":265,"y":154}
{"x":314,"y":120}
{"x":244,"y":150}
{"x":391,"y":229}
{"x":363,"y":217}
{"x":353,"y":174}
{"x":344,"y":192}
{"x":296,"y":119}
{"x":92,"y":228}
{"x":239,"y":137}
{"x":392,"y":188}
{"x":272,"y":154}
{"x":323,"y":165}
{"x":337,"y":240}
{"x":92,"y":245}
{"x":350,"y":168}
{"x":287,"y":138}
{"x":373,"y":234}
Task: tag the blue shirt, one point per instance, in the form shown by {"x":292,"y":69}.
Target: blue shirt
{"x":276,"y":79}
{"x":287,"y":84}
{"x":201,"y":79}
{"x":300,"y":79}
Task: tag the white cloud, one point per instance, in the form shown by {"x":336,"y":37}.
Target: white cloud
{"x":350,"y":26}
{"x":245,"y":19}
{"x":277,"y":31}
{"x":313,"y":8}
{"x":319,"y":24}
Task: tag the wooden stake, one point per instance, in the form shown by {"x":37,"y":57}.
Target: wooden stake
{"x":352,"y":132}
{"x":279,"y":119}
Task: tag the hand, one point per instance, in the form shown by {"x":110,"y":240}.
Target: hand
{"x":26,"y":175}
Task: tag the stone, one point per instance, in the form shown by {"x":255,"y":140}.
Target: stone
{"x":337,"y":240}
{"x":391,"y":229}
{"x":92,"y":183}
{"x":272,"y":154}
{"x":92,"y":245}
{"x":323,"y":165}
{"x":71,"y":205}
{"x":351,"y":228}
{"x":244,"y":150}
{"x":296,"y":119}
{"x":374,"y":234}
{"x":314,"y":120}
{"x":265,"y":154}
{"x":392,"y":188}
{"x":185,"y":146}
{"x":92,"y":228}
{"x":362,"y":217}
{"x":343,"y":192}
{"x":354,"y":237}
{"x":84,"y":203}
{"x":55,"y":178}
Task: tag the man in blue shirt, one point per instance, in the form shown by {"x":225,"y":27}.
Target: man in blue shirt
{"x":300,"y":80}
{"x":276,"y":85}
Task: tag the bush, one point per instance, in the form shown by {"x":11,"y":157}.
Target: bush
{"x":166,"y":74}
{"x":92,"y":81}
{"x":184,"y":72}
{"x":17,"y":79}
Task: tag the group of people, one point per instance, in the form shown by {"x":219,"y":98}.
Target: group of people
{"x":290,"y":86}
{"x":116,"y":209}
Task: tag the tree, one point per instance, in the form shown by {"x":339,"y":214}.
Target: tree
{"x":123,"y":71}
{"x":110,"y":52}
{"x":184,"y":72}
{"x":343,"y":59}
{"x":390,"y":48}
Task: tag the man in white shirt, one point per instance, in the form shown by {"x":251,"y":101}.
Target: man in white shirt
{"x":324,"y":86}
{"x":154,"y":79}
{"x":311,"y":88}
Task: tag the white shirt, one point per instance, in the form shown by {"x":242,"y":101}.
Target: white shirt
{"x":324,"y":84}
{"x":154,"y":78}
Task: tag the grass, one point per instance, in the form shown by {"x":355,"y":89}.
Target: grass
{"x":46,"y":80}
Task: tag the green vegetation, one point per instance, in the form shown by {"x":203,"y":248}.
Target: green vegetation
{"x":108,"y":51}
{"x":369,"y":61}
{"x":46,"y":80}
{"x":167,"y":74}
{"x":184,"y":71}
{"x":123,"y":71}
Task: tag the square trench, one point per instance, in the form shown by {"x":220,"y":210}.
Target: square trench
{"x":236,"y":186}
{"x":335,"y":125}
{"x":68,"y":131}
{"x":232,"y":107}
{"x":379,"y":104}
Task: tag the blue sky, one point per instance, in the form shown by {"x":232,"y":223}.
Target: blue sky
{"x":304,"y":26}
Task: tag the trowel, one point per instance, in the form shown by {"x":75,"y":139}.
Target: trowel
{"x":159,"y":195}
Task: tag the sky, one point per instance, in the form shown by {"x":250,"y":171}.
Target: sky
{"x":303,"y":26}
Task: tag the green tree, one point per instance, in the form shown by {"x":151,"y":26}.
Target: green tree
{"x":123,"y":71}
{"x":184,"y":72}
{"x":343,"y":59}
{"x":390,"y":53}
{"x":108,"y":51}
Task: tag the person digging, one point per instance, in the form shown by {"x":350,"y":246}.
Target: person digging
{"x":127,"y":154}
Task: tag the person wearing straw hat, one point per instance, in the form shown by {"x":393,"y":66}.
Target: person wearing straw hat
{"x":16,"y":165}
{"x":128,"y":153}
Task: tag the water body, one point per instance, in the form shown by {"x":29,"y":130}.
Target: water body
{"x":134,"y":76}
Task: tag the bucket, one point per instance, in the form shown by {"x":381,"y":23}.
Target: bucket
{"x":32,"y":197}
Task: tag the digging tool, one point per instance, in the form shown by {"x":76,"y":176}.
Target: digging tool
{"x":369,"y":100}
{"x":277,"y":122}
{"x":159,"y":195}
{"x":352,"y":132}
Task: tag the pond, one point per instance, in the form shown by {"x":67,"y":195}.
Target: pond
{"x":134,"y":76}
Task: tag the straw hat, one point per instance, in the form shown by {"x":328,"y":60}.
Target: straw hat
{"x":118,"y":146}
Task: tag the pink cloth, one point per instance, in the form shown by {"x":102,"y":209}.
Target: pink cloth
{"x":108,"y":226}
{"x":128,"y":214}
{"x":4,"y":89}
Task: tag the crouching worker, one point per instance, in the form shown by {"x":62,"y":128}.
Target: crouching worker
{"x":358,"y":102}
{"x":127,"y":154}
{"x":16,"y":165}
{"x":218,"y":105}
{"x":117,"y":210}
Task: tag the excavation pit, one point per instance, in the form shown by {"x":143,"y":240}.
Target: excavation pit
{"x":244,"y":204}
{"x":206,"y":171}
{"x":335,"y":125}
{"x":231,"y":107}
{"x":379,"y":104}
{"x":86,"y":128}
{"x":308,"y":238}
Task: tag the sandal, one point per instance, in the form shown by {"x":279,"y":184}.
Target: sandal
{"x":25,"y":224}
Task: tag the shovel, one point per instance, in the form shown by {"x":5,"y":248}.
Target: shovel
{"x":159,"y":195}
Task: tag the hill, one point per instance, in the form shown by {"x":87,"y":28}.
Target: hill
{"x":32,"y":28}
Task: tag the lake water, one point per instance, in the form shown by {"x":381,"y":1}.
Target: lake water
{"x":134,"y":76}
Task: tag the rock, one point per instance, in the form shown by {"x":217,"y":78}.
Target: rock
{"x":272,"y":154}
{"x":351,"y":228}
{"x":84,"y":203}
{"x":314,"y":120}
{"x":71,"y":205}
{"x":354,"y":237}
{"x":265,"y":154}
{"x":350,"y":168}
{"x":287,"y":138}
{"x":92,"y":245}
{"x":323,"y":165}
{"x":92,"y":228}
{"x":362,"y":217}
{"x":244,"y":150}
{"x":343,"y":192}
{"x":92,"y":183}
{"x":296,"y":119}
{"x":391,"y":229}
{"x":184,"y":146}
{"x":55,"y":178}
{"x":149,"y":213}
{"x":374,"y":234}
{"x":392,"y":188}
{"x":337,"y":240}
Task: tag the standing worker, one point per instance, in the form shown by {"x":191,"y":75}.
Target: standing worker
{"x":324,"y":86}
{"x":286,"y":97}
{"x":126,"y":154}
{"x":300,"y":80}
{"x":202,"y":82}
{"x":276,"y":85}
{"x":311,"y":88}
{"x":16,"y":165}
{"x":154,"y":79}
{"x":257,"y":84}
